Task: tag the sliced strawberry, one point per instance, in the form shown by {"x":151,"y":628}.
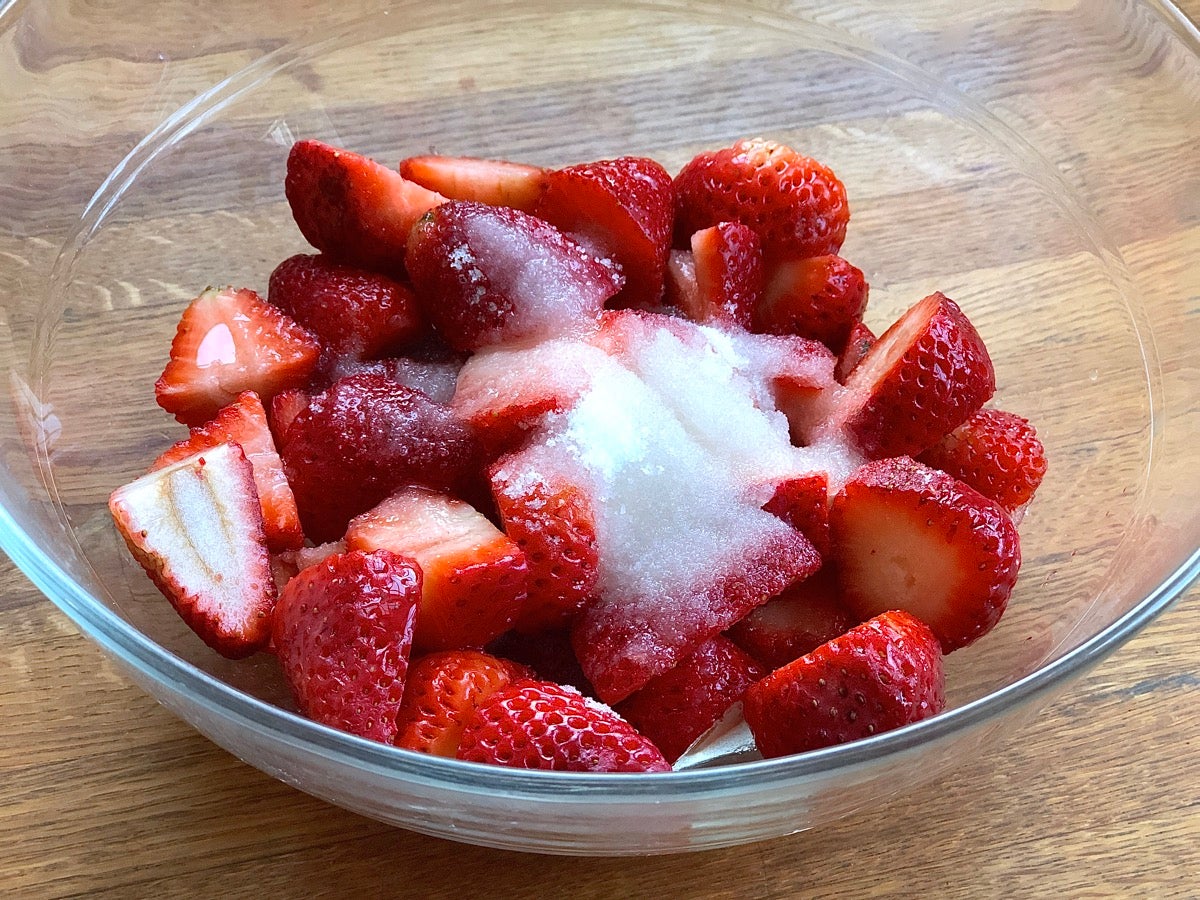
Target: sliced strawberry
{"x":475,"y":577}
{"x":881,"y":675}
{"x":678,"y":706}
{"x":285,"y":406}
{"x":351,"y":207}
{"x":906,"y":536}
{"x":861,"y":340}
{"x":196,"y":528}
{"x":796,"y":622}
{"x":803,"y":502}
{"x":541,"y":725}
{"x":997,"y":453}
{"x":822,"y":297}
{"x":343,"y":631}
{"x":229,"y":341}
{"x":727,"y":260}
{"x":796,"y":205}
{"x":490,"y":275}
{"x":483,"y":180}
{"x":548,"y":653}
{"x":244,"y":422}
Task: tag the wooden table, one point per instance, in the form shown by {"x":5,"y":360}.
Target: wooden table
{"x":105,"y":794}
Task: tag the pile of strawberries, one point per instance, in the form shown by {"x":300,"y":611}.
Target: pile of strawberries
{"x":551,"y":468}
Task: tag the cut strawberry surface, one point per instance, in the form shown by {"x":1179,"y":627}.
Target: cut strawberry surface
{"x":196,"y":527}
{"x":860,"y":340}
{"x":680,"y":289}
{"x":795,"y":622}
{"x":490,"y":181}
{"x":727,"y":260}
{"x":285,"y":406}
{"x":822,"y":297}
{"x":229,"y":341}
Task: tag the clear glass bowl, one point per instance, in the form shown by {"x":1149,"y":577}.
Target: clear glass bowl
{"x":1031,"y":161}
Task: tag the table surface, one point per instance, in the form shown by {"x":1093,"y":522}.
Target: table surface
{"x":105,"y":793}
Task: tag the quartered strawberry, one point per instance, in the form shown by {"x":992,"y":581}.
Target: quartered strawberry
{"x":541,"y":725}
{"x":803,"y":502}
{"x":997,"y":453}
{"x":352,"y":208}
{"x":796,"y":622}
{"x":822,"y":297}
{"x":676,"y":707}
{"x":442,"y":691}
{"x":879,"y":676}
{"x":196,"y":527}
{"x":343,"y":631}
{"x":905,"y":536}
{"x":360,"y":440}
{"x":796,"y":205}
{"x":490,"y":275}
{"x":229,"y":341}
{"x":244,"y":422}
{"x":727,"y":261}
{"x":619,"y":208}
{"x":488,"y":181}
{"x":475,"y":577}
{"x":861,"y":340}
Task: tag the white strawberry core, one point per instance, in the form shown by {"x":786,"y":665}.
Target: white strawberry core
{"x":217,"y":347}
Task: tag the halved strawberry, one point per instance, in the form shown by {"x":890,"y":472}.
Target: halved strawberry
{"x":196,"y":528}
{"x":489,"y":275}
{"x":860,"y":340}
{"x":620,"y":208}
{"x":905,"y":536}
{"x":488,"y":181}
{"x":229,"y":341}
{"x":822,"y":297}
{"x":728,"y":267}
{"x":795,"y":622}
{"x":803,"y":502}
{"x":342,"y":632}
{"x":475,"y":577}
{"x":878,"y":676}
{"x":353,"y":208}
{"x":244,"y":422}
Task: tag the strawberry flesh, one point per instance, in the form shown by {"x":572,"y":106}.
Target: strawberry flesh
{"x":795,"y":622}
{"x":490,"y":181}
{"x":822,"y":297}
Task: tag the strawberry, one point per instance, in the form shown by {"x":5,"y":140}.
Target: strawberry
{"x":860,"y":340}
{"x":351,"y":207}
{"x":822,"y":297}
{"x":244,"y":422}
{"x":196,"y":527}
{"x":542,"y":725}
{"x":803,"y":502}
{"x":474,"y":576}
{"x":285,"y":406}
{"x":435,"y":378}
{"x":342,"y":631}
{"x":676,"y":707}
{"x":729,"y":275}
{"x":905,"y":536}
{"x":796,"y":205}
{"x":229,"y":341}
{"x":795,"y":622}
{"x":881,"y":675}
{"x":488,"y":181}
{"x":360,"y":440}
{"x":997,"y":453}
{"x":620,"y":208}
{"x":923,"y":378}
{"x":442,"y":690}
{"x":489,"y":275}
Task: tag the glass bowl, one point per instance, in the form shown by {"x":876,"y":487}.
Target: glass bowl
{"x":1030,"y":161}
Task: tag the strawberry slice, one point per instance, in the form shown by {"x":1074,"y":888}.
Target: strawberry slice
{"x":822,"y":297}
{"x":796,"y":622}
{"x":541,"y":725}
{"x":442,"y":691}
{"x":352,"y":208}
{"x":860,"y":340}
{"x":882,"y":675}
{"x":619,"y":208}
{"x":244,"y":422}
{"x":490,"y":181}
{"x":675,"y":708}
{"x":803,"y":502}
{"x":475,"y":577}
{"x":196,"y":527}
{"x":905,"y":536}
{"x":229,"y":341}
{"x":489,"y":275}
{"x":343,"y":631}
{"x":728,"y":267}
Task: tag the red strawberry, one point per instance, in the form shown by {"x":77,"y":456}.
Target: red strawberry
{"x":360,"y":440}
{"x":678,"y":706}
{"x":351,"y":207}
{"x":803,"y":502}
{"x":882,"y":675}
{"x":441,"y":692}
{"x":474,"y":576}
{"x":489,"y":275}
{"x":920,"y":381}
{"x":861,"y":340}
{"x":797,"y":206}
{"x":483,"y":180}
{"x":822,"y":297}
{"x":997,"y":453}
{"x":227,"y":342}
{"x":196,"y":528}
{"x":285,"y":406}
{"x":244,"y":422}
{"x":541,"y":725}
{"x":727,"y":262}
{"x":548,"y":653}
{"x":906,"y":536}
{"x":796,"y":622}
{"x":343,"y":630}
